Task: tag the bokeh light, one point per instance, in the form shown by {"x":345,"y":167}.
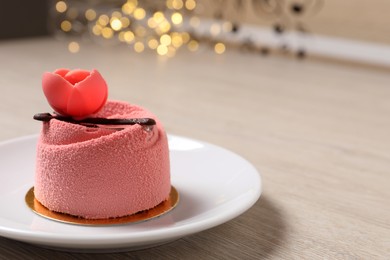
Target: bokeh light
{"x":90,"y":14}
{"x":61,"y":6}
{"x":116,"y":24}
{"x":177,"y":18}
{"x":161,"y":29}
{"x":139,"y":47}
{"x":66,"y":26}
{"x":74,"y":47}
{"x":139,"y":13}
{"x":219,"y":48}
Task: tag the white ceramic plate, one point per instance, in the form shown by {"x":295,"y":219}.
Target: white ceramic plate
{"x":215,"y":186}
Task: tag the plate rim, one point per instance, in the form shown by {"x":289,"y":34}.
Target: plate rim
{"x":150,"y":236}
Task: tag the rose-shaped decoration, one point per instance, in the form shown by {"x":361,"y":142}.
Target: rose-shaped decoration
{"x":75,"y":93}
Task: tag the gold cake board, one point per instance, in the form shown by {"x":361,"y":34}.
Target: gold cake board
{"x":155,"y":212}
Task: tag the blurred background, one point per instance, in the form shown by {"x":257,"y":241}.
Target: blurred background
{"x":352,"y":30}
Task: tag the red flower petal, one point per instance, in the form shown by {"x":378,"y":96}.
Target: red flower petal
{"x":76,"y":93}
{"x":61,"y":72}
{"x":76,"y":105}
{"x":93,"y":92}
{"x":75,"y":76}
{"x":57,"y":91}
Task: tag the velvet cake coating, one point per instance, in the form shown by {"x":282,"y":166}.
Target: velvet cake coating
{"x":99,"y":172}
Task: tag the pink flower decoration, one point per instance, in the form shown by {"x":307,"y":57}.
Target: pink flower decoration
{"x":75,"y":93}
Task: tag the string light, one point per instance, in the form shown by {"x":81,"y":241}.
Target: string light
{"x":139,"y":27}
{"x":129,"y":7}
{"x":139,"y":13}
{"x":90,"y":14}
{"x":177,"y":4}
{"x":165,"y":39}
{"x":66,"y":26}
{"x":219,"y":48}
{"x":193,"y":45}
{"x":129,"y":36}
{"x":107,"y":33}
{"x":190,"y":4}
{"x":61,"y":6}
{"x":215,"y":29}
{"x":153,"y":44}
{"x":162,"y":50}
{"x":177,"y":18}
{"x":103,"y":20}
{"x":139,"y":47}
{"x":73,"y":47}
{"x":97,"y":29}
{"x":166,"y":26}
{"x":177,"y":40}
{"x":125,"y":22}
{"x":116,"y":24}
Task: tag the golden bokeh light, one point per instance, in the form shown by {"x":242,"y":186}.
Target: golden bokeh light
{"x":139,"y":13}
{"x":73,"y":47}
{"x":165,"y":39}
{"x":139,"y":47}
{"x":125,"y":22}
{"x":162,"y":50}
{"x":190,"y":4}
{"x":177,"y":18}
{"x":219,"y":48}
{"x":97,"y":30}
{"x":163,"y":27}
{"x":103,"y":20}
{"x":61,"y":6}
{"x":169,"y":4}
{"x":177,"y":4}
{"x":129,"y":7}
{"x":90,"y":14}
{"x":177,"y":40}
{"x":186,"y":37}
{"x":140,"y":25}
{"x":128,"y":36}
{"x":116,"y":14}
{"x":116,"y":24}
{"x":66,"y":26}
{"x":107,"y":33}
{"x":158,"y":17}
{"x":193,"y":45}
{"x":215,"y":29}
{"x":121,"y":36}
{"x":153,"y":43}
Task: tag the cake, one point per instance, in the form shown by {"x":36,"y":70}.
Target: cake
{"x":101,"y":169}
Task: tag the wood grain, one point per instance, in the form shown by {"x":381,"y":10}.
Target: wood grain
{"x":317,"y":132}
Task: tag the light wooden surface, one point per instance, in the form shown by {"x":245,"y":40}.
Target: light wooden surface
{"x":318,"y":133}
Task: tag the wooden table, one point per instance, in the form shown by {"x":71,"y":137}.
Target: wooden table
{"x":319,"y":134}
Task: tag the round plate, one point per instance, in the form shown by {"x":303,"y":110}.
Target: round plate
{"x":215,"y":186}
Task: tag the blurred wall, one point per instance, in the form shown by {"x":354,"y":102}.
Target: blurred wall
{"x":367,"y":20}
{"x":23,"y":18}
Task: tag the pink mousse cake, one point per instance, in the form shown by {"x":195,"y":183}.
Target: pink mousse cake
{"x":103,"y":172}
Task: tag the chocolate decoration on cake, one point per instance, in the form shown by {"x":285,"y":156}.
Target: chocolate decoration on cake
{"x":46,"y":117}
